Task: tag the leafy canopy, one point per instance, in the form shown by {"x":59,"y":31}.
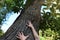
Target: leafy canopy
{"x":10,"y":5}
{"x":51,"y":20}
{"x":14,"y":5}
{"x":7,"y":6}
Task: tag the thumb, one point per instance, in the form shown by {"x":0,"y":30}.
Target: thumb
{"x":27,"y":36}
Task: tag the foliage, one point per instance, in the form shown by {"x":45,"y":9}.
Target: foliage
{"x":1,"y":32}
{"x":14,"y":5}
{"x":3,"y":13}
{"x":10,"y":5}
{"x":40,"y":35}
{"x":7,"y":6}
{"x":48,"y":34}
{"x":1,"y":3}
{"x":50,"y":24}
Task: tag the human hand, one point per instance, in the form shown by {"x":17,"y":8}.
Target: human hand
{"x":21,"y":36}
{"x":29,"y":24}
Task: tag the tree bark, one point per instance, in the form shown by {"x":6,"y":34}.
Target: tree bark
{"x":32,"y":13}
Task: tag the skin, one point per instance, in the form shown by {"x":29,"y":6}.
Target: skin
{"x":30,"y":25}
{"x":21,"y":36}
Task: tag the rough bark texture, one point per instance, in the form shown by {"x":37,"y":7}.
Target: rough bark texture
{"x":32,"y":13}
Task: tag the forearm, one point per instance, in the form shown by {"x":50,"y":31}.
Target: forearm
{"x":33,"y":30}
{"x":35,"y":33}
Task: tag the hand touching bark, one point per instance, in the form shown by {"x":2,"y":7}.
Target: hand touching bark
{"x":21,"y":36}
{"x":30,"y":24}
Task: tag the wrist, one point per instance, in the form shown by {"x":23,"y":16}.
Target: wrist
{"x":22,"y":39}
{"x":32,"y":27}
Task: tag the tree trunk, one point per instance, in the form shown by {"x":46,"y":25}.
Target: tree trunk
{"x":31,"y":13}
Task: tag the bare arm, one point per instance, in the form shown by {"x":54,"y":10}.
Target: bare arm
{"x":35,"y":33}
{"x":33,"y":30}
